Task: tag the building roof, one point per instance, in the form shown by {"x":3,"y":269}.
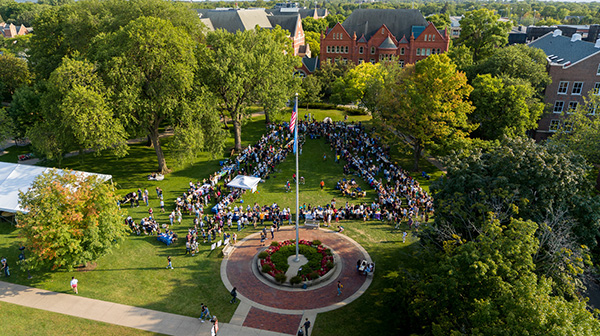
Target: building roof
{"x":417,"y":30}
{"x":320,"y":12}
{"x":403,"y":40}
{"x":561,"y":50}
{"x":287,"y":22}
{"x":208,"y":24}
{"x":398,"y":21}
{"x":362,"y":39}
{"x":388,"y":44}
{"x":233,"y":20}
{"x":310,"y":63}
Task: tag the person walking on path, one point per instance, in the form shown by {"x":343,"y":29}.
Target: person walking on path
{"x":339,"y":288}
{"x":170,"y":265}
{"x":306,"y":326}
{"x":74,"y":285}
{"x":215,"y":327}
{"x":322,"y":184}
{"x":272,"y":233}
{"x":5,"y":267}
{"x":204,"y":313}
{"x":234,"y":295}
{"x":404,"y":234}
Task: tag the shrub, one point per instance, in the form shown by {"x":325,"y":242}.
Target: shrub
{"x":316,"y":242}
{"x":328,"y":252}
{"x":266,"y":268}
{"x":329,"y":264}
{"x":313,"y":275}
{"x":280,"y":277}
{"x":274,"y":243}
{"x":296,"y":280}
{"x":263,"y":255}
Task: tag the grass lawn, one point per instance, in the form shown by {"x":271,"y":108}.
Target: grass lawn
{"x":135,"y":273}
{"x":18,"y":320}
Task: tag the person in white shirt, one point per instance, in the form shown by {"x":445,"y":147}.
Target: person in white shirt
{"x":74,"y":284}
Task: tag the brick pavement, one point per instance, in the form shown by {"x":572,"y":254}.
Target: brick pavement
{"x":264,"y":320}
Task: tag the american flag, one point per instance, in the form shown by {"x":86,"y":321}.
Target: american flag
{"x":294,"y":117}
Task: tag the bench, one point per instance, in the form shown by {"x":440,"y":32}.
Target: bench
{"x":227,"y":249}
{"x":311,"y":223}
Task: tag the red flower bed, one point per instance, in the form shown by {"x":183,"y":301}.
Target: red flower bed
{"x":318,"y":262}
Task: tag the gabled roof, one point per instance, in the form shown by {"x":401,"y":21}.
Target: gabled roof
{"x":287,"y":22}
{"x":417,"y":30}
{"x":362,"y":39}
{"x":403,"y":40}
{"x":321,"y":12}
{"x":208,"y":24}
{"x":234,"y":20}
{"x":398,"y":21}
{"x":561,"y":50}
{"x":388,"y":44}
{"x":310,"y":63}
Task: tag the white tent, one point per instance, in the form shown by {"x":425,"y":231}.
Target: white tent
{"x":17,"y":177}
{"x":244,"y":182}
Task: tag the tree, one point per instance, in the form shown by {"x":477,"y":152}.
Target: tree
{"x":488,"y":286}
{"x":74,"y":114}
{"x":440,"y":21}
{"x":6,"y":125}
{"x":428,"y":104}
{"x":517,"y":61}
{"x":244,"y":67}
{"x":310,"y":91}
{"x":313,"y":25}
{"x":363,"y":83}
{"x":482,"y":32}
{"x":71,"y":219}
{"x":503,"y":107}
{"x":24,"y":109}
{"x":314,"y":42}
{"x":150,"y":66}
{"x":13,"y":74}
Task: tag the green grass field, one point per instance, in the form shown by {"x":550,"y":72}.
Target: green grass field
{"x":138,"y":264}
{"x":23,"y":321}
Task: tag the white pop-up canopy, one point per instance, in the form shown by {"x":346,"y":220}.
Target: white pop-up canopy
{"x":17,"y":177}
{"x":244,"y":182}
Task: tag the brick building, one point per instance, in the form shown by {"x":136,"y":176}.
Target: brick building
{"x":574,"y":66}
{"x":9,"y":30}
{"x":372,"y":35}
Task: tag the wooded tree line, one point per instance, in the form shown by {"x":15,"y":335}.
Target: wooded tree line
{"x":108,"y":71}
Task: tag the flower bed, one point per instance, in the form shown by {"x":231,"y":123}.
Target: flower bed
{"x":273,"y":260}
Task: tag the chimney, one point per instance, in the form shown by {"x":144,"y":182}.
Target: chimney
{"x":576,"y":37}
{"x":556,"y":33}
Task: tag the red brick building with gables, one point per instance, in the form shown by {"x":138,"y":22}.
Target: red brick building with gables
{"x":372,"y":35}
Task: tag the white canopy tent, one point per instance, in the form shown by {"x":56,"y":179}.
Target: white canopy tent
{"x":17,"y":177}
{"x":244,"y":182}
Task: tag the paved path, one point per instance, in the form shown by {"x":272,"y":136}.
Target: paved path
{"x":114,"y":313}
{"x":267,"y":306}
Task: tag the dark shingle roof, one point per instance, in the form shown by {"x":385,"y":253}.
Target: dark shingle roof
{"x":293,"y":11}
{"x":398,"y":21}
{"x":388,"y":44}
{"x":417,"y":30}
{"x":310,"y":63}
{"x":561,"y":50}
{"x":287,"y":22}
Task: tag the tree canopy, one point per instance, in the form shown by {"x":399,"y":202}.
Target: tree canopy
{"x":482,"y":32}
{"x":427,"y":102}
{"x":71,"y":220}
{"x":13,"y":74}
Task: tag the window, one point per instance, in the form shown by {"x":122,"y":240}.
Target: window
{"x":401,"y":62}
{"x":592,"y":109}
{"x":598,"y":71}
{"x":433,"y":38}
{"x":382,"y":31}
{"x":372,"y":61}
{"x":401,"y":51}
{"x":577,"y":88}
{"x":328,"y":49}
{"x":361,"y":50}
{"x":345,"y":60}
{"x":597,"y":88}
{"x":428,"y":51}
{"x":418,"y":51}
{"x":558,"y":106}
{"x":425,"y":38}
{"x":572,"y":106}
{"x":372,"y":50}
{"x":346,"y":49}
{"x":329,"y":59}
{"x":554,"y":125}
{"x":361,"y":61}
{"x":438,"y":51}
{"x":567,"y":126}
{"x":563,"y":87}
{"x":337,"y":49}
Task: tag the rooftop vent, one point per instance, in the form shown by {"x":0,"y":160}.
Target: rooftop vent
{"x":557,"y":32}
{"x":576,"y":37}
{"x":559,"y":60}
{"x":597,"y":45}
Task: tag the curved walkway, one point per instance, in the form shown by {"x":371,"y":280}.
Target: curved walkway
{"x":287,"y":309}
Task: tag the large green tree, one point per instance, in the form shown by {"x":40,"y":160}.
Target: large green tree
{"x":74,"y":114}
{"x":13,"y":74}
{"x":482,"y":32}
{"x":70,"y":219}
{"x":6,"y":125}
{"x":243,"y":68}
{"x":150,"y":66}
{"x":428,"y":104}
{"x":504,"y":107}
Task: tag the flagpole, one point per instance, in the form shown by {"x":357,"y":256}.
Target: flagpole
{"x":297,"y":178}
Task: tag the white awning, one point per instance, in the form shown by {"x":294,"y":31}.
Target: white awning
{"x":18,"y":177}
{"x":244,"y":182}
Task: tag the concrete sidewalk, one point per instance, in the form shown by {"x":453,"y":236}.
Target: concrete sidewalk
{"x":114,"y":313}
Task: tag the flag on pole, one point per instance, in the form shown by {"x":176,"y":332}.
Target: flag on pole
{"x":293,"y":122}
